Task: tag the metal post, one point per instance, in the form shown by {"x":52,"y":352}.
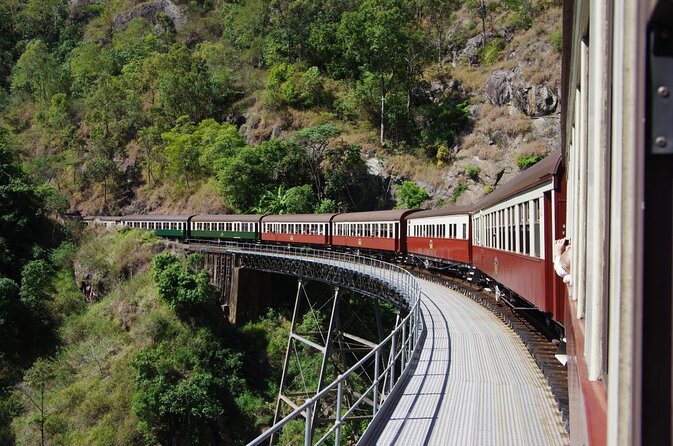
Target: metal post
{"x":308,"y":428}
{"x":375,"y":397}
{"x":404,"y":345}
{"x":392,"y":361}
{"x":337,"y":435}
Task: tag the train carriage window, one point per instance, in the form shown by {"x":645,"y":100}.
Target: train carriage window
{"x":228,"y":227}
{"x":524,"y":228}
{"x":501,"y":229}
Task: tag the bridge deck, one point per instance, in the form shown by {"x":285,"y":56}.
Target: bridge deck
{"x":475,"y":383}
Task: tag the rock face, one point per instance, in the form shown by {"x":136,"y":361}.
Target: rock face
{"x":149,"y":11}
{"x":504,"y":87}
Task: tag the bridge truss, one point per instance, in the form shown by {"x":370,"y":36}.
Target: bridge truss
{"x":352,"y":376}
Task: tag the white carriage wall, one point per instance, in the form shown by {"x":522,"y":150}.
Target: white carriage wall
{"x":448,"y":226}
{"x":604,"y":216}
{"x":514,"y":225}
{"x":588,"y":159}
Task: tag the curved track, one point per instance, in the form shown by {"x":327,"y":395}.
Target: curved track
{"x":474,"y":384}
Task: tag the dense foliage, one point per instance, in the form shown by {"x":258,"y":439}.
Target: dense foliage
{"x":108,"y":97}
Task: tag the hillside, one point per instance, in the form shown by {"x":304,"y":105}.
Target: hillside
{"x":284,"y":106}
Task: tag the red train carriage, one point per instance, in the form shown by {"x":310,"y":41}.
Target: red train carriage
{"x":513,"y":232}
{"x":376,"y":230}
{"x":440,"y":234}
{"x":311,"y":229}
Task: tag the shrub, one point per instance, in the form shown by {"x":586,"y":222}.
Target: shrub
{"x":180,"y":286}
{"x":458,"y":191}
{"x":472,"y":171}
{"x":410,"y":195}
{"x":443,"y":156}
{"x":492,"y":51}
{"x":287,"y":85}
{"x":524,"y":162}
{"x":488,"y":189}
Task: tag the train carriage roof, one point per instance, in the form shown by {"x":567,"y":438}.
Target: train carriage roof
{"x":540,"y":173}
{"x":453,"y":210}
{"x":298,"y":218}
{"x":227,"y":218}
{"x":155,"y":217}
{"x":372,"y":216}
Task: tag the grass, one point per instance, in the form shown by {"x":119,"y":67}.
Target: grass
{"x":408,"y":166}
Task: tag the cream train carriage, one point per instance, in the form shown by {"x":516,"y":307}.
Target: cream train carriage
{"x":618,"y":148}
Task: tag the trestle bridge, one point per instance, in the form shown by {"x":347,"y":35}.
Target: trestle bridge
{"x":447,"y":373}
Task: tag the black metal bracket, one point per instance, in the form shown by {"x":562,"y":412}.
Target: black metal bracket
{"x":660,"y":89}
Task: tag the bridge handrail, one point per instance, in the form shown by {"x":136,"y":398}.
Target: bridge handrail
{"x":402,"y":279}
{"x":408,"y":331}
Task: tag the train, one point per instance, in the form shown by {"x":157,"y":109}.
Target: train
{"x":503,"y":241}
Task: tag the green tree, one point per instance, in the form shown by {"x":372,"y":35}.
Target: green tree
{"x":36,"y":287}
{"x":22,"y":218}
{"x":42,"y":18}
{"x":87,"y":64}
{"x":439,"y":15}
{"x":184,"y":392}
{"x":409,"y":195}
{"x":35,"y":385}
{"x":347,"y":179}
{"x":273,"y":163}
{"x":376,"y":38}
{"x":180,"y":286}
{"x":38,"y":73}
{"x":182,"y":151}
{"x":315,"y":141}
{"x":300,"y":200}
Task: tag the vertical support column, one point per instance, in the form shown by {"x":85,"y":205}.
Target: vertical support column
{"x":328,"y":344}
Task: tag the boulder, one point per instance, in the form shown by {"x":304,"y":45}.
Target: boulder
{"x":535,"y":100}
{"x":499,"y":87}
